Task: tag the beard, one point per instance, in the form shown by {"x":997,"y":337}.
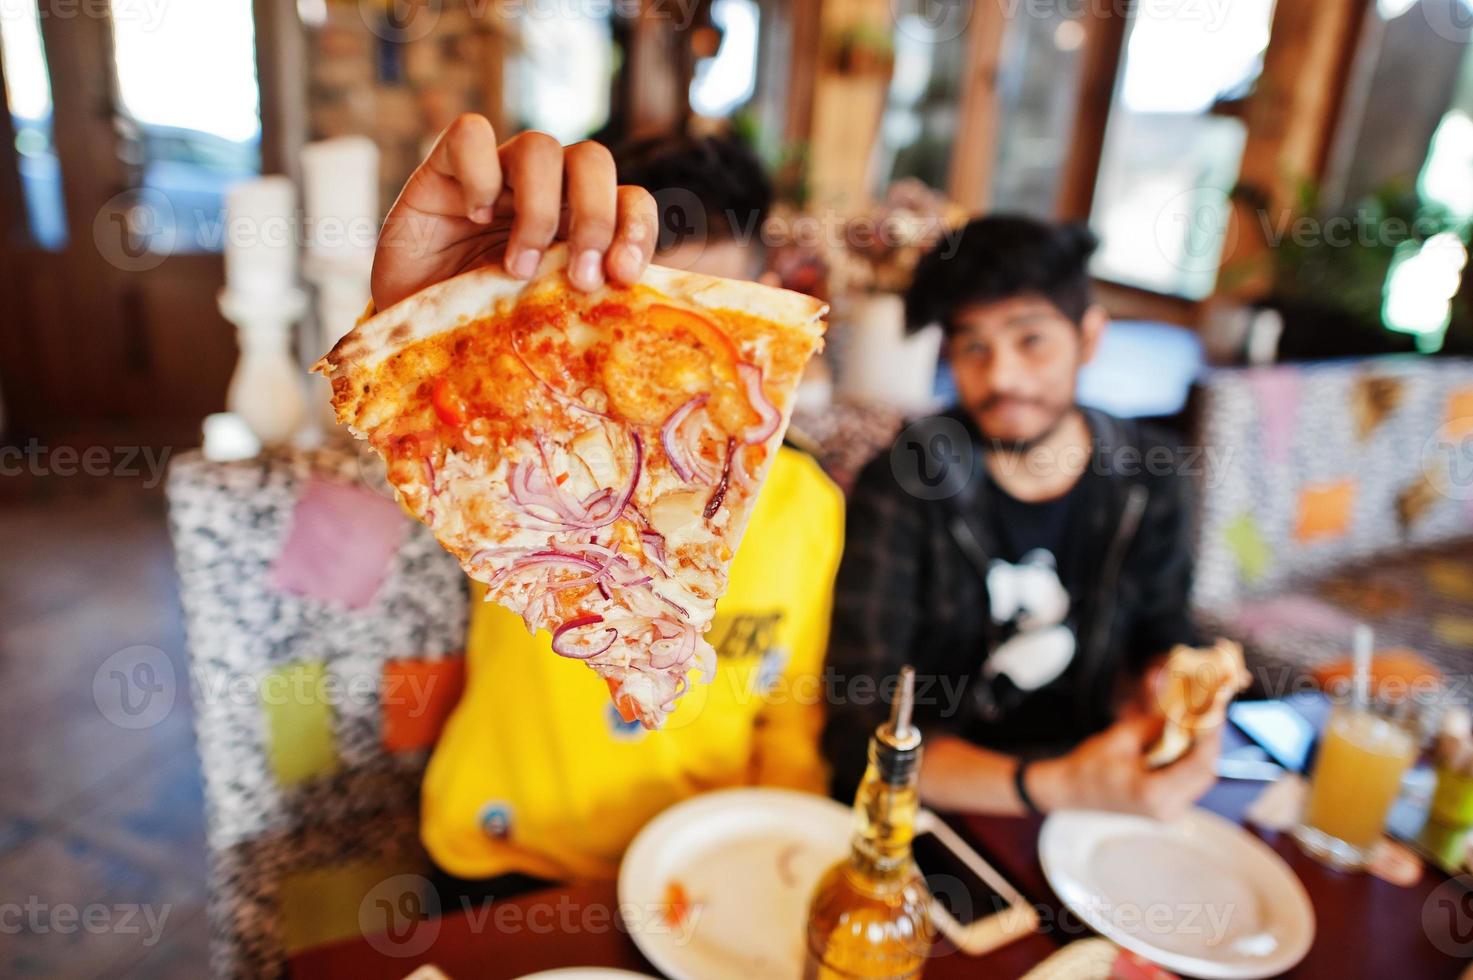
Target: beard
{"x":1017,"y":447}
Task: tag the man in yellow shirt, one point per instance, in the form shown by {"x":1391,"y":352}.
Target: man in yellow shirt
{"x":536,"y":775}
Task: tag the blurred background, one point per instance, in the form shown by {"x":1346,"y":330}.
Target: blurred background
{"x":189,"y":192}
{"x":1208,"y":142}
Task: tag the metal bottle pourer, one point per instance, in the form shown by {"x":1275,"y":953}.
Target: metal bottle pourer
{"x":895,"y":749}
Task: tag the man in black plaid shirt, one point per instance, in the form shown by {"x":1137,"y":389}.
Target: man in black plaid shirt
{"x":1028,"y":557}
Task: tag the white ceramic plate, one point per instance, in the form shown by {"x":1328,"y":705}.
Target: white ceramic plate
{"x":1200,"y":896}
{"x":586,"y":973}
{"x":748,"y":860}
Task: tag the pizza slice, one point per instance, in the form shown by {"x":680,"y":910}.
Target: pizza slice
{"x":1193,"y":691}
{"x":591,"y":457}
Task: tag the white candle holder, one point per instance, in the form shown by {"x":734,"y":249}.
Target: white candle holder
{"x":342,"y":287}
{"x":266,"y":388}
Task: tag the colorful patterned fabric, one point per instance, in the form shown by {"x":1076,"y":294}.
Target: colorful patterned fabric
{"x":1330,"y":489}
{"x":315,"y":651}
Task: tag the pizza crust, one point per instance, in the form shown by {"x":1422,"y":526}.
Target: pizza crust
{"x":1194,"y":689}
{"x":470,"y":296}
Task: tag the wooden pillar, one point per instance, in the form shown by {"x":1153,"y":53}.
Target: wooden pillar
{"x":1099,"y":65}
{"x":804,"y":18}
{"x":281,"y":60}
{"x":974,"y":154}
{"x":847,"y":107}
{"x":1291,"y":121}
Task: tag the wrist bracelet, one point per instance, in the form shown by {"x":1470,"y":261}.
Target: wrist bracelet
{"x":1018,"y":776}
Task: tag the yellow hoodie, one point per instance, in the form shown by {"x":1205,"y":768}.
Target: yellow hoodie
{"x":535,"y":772}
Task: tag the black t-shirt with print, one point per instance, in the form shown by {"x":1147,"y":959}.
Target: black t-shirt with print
{"x":1033,"y":588}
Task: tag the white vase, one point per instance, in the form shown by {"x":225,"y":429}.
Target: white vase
{"x":880,"y":362}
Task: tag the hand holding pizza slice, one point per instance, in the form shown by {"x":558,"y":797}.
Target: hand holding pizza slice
{"x":1193,"y":691}
{"x":592,"y":457}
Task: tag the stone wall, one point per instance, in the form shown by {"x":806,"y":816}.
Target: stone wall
{"x":398,"y":83}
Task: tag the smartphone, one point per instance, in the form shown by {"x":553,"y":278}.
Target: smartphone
{"x":1281,"y":731}
{"x":971,"y":903}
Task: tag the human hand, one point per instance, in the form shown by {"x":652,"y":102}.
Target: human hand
{"x":1108,"y":772}
{"x":472,"y":203}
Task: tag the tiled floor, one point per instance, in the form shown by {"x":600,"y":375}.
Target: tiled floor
{"x":102,"y":857}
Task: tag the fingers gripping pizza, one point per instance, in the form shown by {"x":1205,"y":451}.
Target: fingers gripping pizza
{"x":591,"y":457}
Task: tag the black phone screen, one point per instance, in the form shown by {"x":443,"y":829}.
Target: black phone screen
{"x":1284,"y":733}
{"x":955,"y":886}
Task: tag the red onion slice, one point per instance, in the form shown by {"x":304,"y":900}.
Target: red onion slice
{"x":769,"y":417}
{"x":561,"y":397}
{"x":739,"y":474}
{"x":537,"y":558}
{"x":527,"y":490}
{"x":637,"y":469}
{"x":568,"y":505}
{"x":569,"y":647}
{"x":674,"y":605}
{"x":592,"y":548}
{"x":675,"y":649}
{"x":488,"y":553}
{"x":719,"y":494}
{"x":670,"y":438}
{"x":654,"y":549}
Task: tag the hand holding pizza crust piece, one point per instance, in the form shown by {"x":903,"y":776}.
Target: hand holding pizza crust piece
{"x":1193,"y":693}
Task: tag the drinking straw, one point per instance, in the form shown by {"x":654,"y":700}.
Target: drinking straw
{"x":900,"y":711}
{"x":1362,"y":642}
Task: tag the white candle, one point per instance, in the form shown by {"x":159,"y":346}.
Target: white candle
{"x":260,"y":237}
{"x":340,"y":189}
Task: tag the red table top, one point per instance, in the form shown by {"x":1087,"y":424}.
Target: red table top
{"x":1365,"y":927}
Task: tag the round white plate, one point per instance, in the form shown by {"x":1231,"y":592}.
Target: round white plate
{"x":1199,"y":896}
{"x":586,"y":973}
{"x":748,"y":860}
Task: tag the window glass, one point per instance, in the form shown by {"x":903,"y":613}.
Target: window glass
{"x":1171,"y":156}
{"x":28,"y":91}
{"x":724,"y":82}
{"x":189,"y":108}
{"x":562,"y":73}
{"x":919,"y":124}
{"x":1037,"y":91}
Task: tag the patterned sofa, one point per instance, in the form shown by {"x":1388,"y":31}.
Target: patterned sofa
{"x":325,"y":630}
{"x":1334,"y":493}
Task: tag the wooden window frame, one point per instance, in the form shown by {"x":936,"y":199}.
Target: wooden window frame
{"x":1292,"y":120}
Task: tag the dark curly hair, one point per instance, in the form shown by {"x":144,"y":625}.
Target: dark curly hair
{"x":999,"y":257}
{"x":719,"y":176}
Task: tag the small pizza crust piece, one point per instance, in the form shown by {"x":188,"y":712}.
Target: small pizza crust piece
{"x":1193,"y":693}
{"x":593,"y":458}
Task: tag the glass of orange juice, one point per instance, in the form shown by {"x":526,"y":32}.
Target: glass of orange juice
{"x":1363,"y":755}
